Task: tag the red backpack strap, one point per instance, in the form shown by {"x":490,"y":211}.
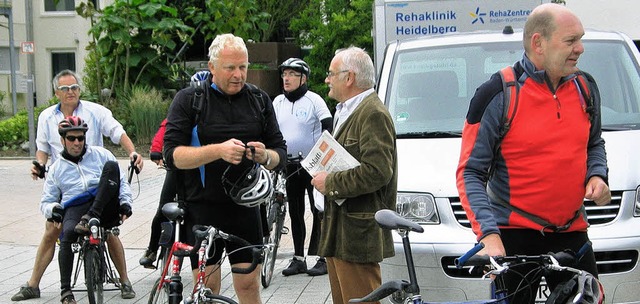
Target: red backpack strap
{"x":586,"y":100}
{"x":510,"y":90}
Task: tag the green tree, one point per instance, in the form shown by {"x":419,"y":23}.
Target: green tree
{"x":281,"y":12}
{"x":328,"y":25}
{"x":240,"y":17}
{"x":134,"y":43}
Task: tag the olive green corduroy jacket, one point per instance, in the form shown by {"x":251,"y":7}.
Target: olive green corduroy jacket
{"x":349,"y":231}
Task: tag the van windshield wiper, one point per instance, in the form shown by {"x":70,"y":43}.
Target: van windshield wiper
{"x":618,"y":128}
{"x":431,"y":134}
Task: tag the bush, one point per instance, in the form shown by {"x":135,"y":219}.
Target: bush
{"x":15,"y":130}
{"x":147,"y":108}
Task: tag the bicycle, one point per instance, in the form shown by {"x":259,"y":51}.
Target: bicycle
{"x":276,"y":212}
{"x":409,"y":291}
{"x":168,"y":287}
{"x":93,"y":256}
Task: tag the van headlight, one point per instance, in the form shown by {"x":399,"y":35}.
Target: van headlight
{"x":417,"y":207}
{"x":636,"y":210}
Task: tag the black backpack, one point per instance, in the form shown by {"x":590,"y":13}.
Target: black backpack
{"x":200,"y":96}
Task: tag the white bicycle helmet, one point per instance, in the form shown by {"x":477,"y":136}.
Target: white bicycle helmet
{"x":583,"y":288}
{"x":250,"y":188}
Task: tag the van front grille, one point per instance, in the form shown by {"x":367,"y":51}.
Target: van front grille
{"x":595,"y":214}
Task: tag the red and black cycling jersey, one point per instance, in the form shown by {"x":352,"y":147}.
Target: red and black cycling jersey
{"x":543,"y":162}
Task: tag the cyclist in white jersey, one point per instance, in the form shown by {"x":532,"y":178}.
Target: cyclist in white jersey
{"x":302,"y":116}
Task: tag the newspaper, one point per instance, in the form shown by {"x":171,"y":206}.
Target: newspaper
{"x":328,"y":155}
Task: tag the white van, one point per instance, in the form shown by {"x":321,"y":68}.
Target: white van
{"x":427,"y":84}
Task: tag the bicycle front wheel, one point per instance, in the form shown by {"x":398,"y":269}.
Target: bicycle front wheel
{"x":272,"y":242}
{"x":94,"y":275}
{"x":159,"y":294}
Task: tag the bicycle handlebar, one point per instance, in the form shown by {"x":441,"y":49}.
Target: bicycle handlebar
{"x":561,"y":258}
{"x":155,"y":156}
{"x":294,"y":159}
{"x":41,"y":169}
{"x":202,"y":232}
{"x":133,"y":168}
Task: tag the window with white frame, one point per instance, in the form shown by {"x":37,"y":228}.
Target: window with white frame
{"x":59,"y":5}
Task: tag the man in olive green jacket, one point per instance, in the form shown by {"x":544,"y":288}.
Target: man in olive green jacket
{"x":350,"y":239}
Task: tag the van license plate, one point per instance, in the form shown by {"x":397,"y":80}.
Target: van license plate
{"x":543,"y":292}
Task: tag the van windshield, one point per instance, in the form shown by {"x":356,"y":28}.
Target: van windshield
{"x":430,"y":88}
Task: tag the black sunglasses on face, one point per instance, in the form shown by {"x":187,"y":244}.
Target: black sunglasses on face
{"x":72,"y":138}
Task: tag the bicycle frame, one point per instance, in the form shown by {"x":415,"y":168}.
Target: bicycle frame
{"x":96,"y":240}
{"x":409,"y":290}
{"x":170,"y":277}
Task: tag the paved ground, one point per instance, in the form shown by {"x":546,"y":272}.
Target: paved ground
{"x":21,"y":227}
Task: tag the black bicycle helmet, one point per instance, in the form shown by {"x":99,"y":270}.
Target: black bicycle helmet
{"x":72,"y":123}
{"x":583,"y":288}
{"x":295,"y":64}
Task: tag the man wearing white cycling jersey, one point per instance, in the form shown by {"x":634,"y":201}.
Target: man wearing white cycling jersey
{"x":302,"y":116}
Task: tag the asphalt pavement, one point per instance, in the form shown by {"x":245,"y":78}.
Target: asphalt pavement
{"x":22,"y":225}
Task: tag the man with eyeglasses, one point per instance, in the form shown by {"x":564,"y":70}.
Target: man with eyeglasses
{"x":351,"y":240}
{"x":101,"y":123}
{"x":84,"y":183}
{"x":302,"y":116}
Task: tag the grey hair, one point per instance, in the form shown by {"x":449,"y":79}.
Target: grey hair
{"x":222,"y":41}
{"x":56,"y":79}
{"x":358,"y":61}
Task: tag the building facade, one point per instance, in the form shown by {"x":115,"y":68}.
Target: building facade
{"x":48,"y":36}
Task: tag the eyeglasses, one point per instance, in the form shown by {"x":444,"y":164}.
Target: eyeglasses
{"x":283,"y":75}
{"x":331,"y":74}
{"x":66,"y":88}
{"x":72,"y":138}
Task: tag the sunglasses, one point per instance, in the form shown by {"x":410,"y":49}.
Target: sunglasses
{"x":66,"y":88}
{"x":72,"y":138}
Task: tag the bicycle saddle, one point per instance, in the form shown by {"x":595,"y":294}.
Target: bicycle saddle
{"x":172,"y":211}
{"x":388,"y":219}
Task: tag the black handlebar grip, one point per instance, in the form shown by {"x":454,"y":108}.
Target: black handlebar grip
{"x":41,"y":169}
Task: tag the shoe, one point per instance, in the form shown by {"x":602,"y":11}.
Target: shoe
{"x":82,"y":228}
{"x":148,"y":258}
{"x":67,"y":298}
{"x":319,"y":269}
{"x":126,"y":291}
{"x":295,"y":267}
{"x":26,"y":292}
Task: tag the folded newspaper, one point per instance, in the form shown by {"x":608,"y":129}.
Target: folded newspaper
{"x":328,"y":155}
